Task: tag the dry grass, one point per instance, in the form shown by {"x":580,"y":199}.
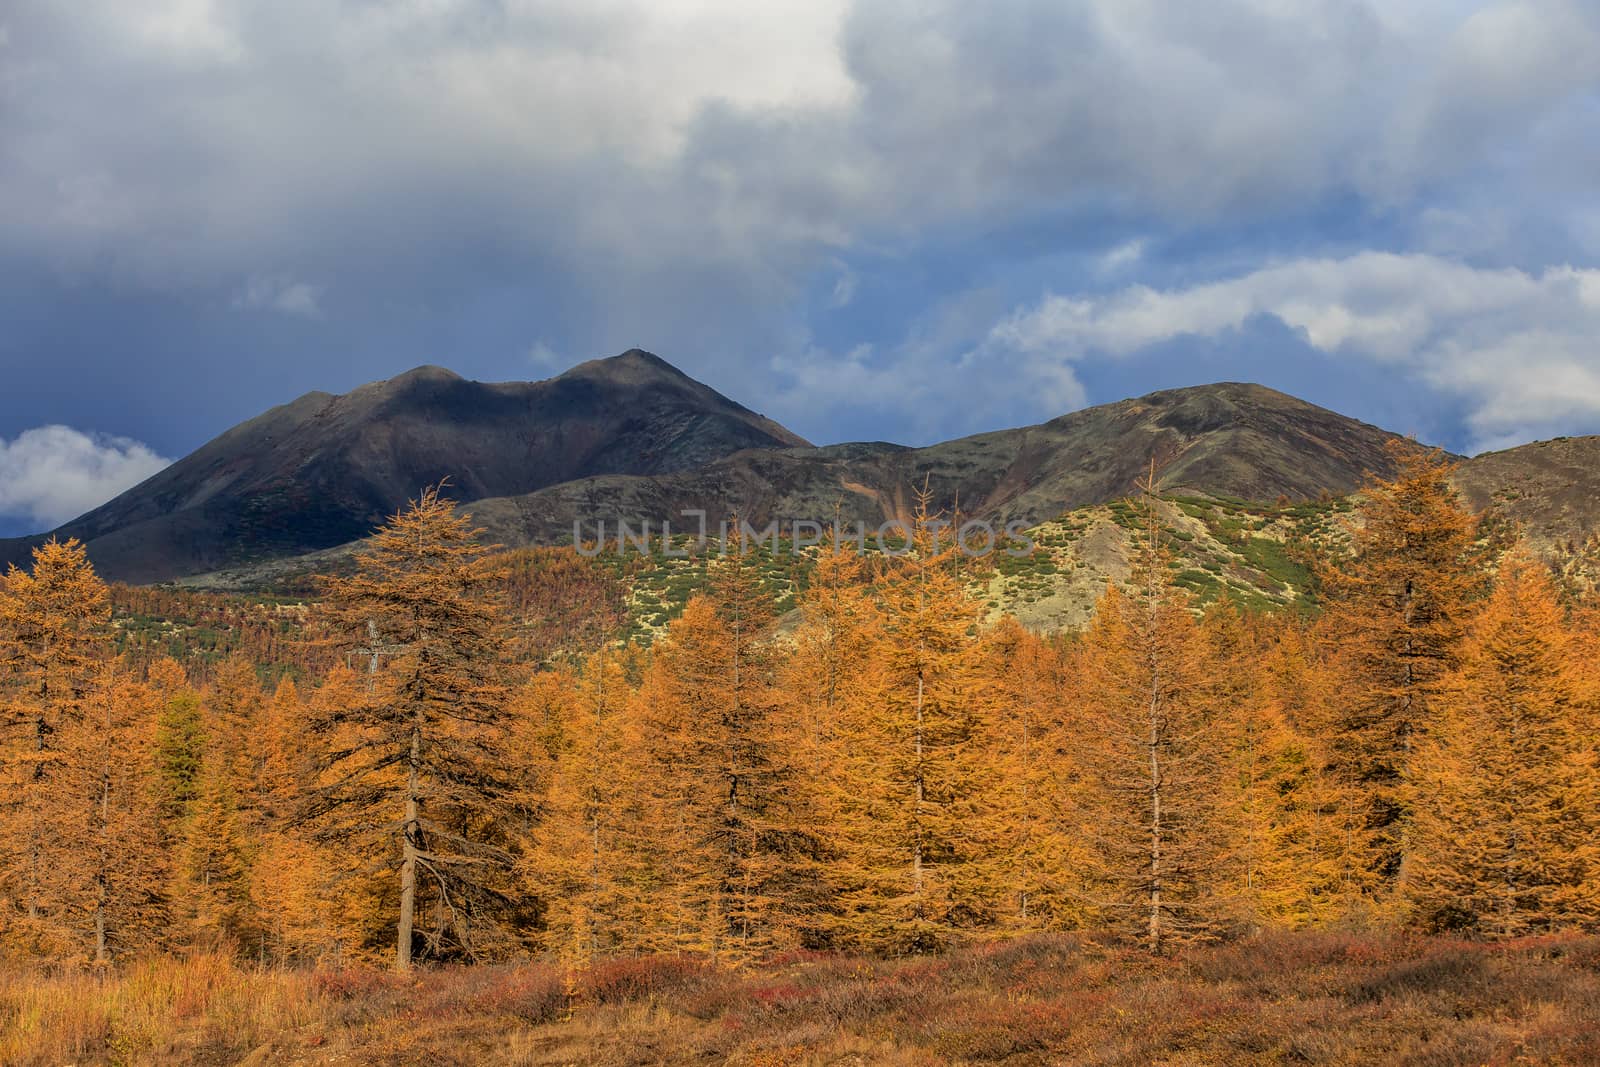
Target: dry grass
{"x":1302,"y":998}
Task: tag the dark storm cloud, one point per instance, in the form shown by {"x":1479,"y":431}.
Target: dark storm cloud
{"x":889,"y":220}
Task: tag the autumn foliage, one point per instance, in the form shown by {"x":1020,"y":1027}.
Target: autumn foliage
{"x":886,"y":770}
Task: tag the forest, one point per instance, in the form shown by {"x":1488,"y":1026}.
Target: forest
{"x":882,"y":775}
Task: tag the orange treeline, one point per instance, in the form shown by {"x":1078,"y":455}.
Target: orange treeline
{"x":883,"y":769}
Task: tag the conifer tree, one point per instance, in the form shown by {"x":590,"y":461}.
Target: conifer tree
{"x":1040,"y":788}
{"x":216,"y":863}
{"x":582,"y":867}
{"x":839,"y":621}
{"x":290,"y":919}
{"x":413,"y":775}
{"x":279,"y":756}
{"x":180,"y":751}
{"x":1283,"y":846}
{"x":234,"y":705}
{"x":109,"y":851}
{"x":53,"y":639}
{"x":912,"y":785}
{"x":1397,"y":610}
{"x":734,"y":841}
{"x":1507,"y":835}
{"x":1148,"y":739}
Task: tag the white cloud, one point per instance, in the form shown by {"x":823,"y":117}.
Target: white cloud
{"x":685,"y":174}
{"x":547,"y":359}
{"x":1121,"y":259}
{"x":1519,"y":348}
{"x":732,"y":131}
{"x":844,"y":286}
{"x":279,"y":293}
{"x":54,"y":473}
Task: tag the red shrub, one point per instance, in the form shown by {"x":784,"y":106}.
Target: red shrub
{"x":636,"y":978}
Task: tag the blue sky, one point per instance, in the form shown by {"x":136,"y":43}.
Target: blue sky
{"x":902,"y":221}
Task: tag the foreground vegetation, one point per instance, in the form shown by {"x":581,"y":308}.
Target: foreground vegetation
{"x":760,"y":841}
{"x":1324,"y":998}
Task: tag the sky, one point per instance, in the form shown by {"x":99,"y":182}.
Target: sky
{"x":884,"y":220}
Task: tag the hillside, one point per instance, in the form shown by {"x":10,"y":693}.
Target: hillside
{"x":632,"y":438}
{"x":1227,"y":440}
{"x":324,"y":470}
{"x":1550,"y":489}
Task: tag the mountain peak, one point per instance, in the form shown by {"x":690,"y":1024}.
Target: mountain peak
{"x":635,"y":367}
{"x":428,"y":372}
{"x":324,"y":470}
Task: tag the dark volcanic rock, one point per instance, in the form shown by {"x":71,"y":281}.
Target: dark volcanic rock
{"x":324,"y":470}
{"x":1229,"y":439}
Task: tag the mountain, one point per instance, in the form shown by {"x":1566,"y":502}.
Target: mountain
{"x":324,"y":470}
{"x":1550,"y":492}
{"x":633,"y":438}
{"x":1230,"y":440}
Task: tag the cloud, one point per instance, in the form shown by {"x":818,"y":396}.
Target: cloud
{"x":279,"y":293}
{"x":1121,"y":259}
{"x":652,"y":131}
{"x":844,"y":286}
{"x":750,"y":188}
{"x":50,"y":474}
{"x":546,"y":359}
{"x":1518,"y":347}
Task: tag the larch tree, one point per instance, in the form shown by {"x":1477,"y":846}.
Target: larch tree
{"x":1507,"y":830}
{"x":180,"y":752}
{"x":278,"y":755}
{"x":583,"y":865}
{"x":110,"y":854}
{"x":1147,"y":736}
{"x":215,"y":863}
{"x":412,"y":771}
{"x":234,"y":707}
{"x":912,"y":787}
{"x":724,"y":766}
{"x":287,"y":875}
{"x":54,"y":638}
{"x":1040,"y":788}
{"x":1396,"y":611}
{"x":1283,"y":842}
{"x":839,"y":621}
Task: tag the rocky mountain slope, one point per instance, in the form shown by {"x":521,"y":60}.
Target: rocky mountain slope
{"x":1228,"y":440}
{"x":631,"y":438}
{"x":323,"y":470}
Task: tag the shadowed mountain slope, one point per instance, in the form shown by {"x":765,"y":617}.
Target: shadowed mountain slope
{"x":1229,"y":439}
{"x":324,"y":470}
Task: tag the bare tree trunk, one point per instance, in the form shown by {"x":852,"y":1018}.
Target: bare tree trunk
{"x":38,"y":789}
{"x":408,"y":862}
{"x":102,"y":890}
{"x":1155,"y":836}
{"x":916,"y":856}
{"x":1156,"y":870}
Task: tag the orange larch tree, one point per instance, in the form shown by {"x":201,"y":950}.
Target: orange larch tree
{"x":1147,"y":738}
{"x":1041,"y":786}
{"x":724,"y":766}
{"x":1283,"y":843}
{"x":583,"y":867}
{"x":111,"y":857}
{"x":54,"y":640}
{"x":414,"y":775}
{"x":1397,"y":608}
{"x":912,"y":783}
{"x":1507,"y":790}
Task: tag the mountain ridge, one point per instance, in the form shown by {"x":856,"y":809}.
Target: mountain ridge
{"x":323,"y":469}
{"x":632,"y":437}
